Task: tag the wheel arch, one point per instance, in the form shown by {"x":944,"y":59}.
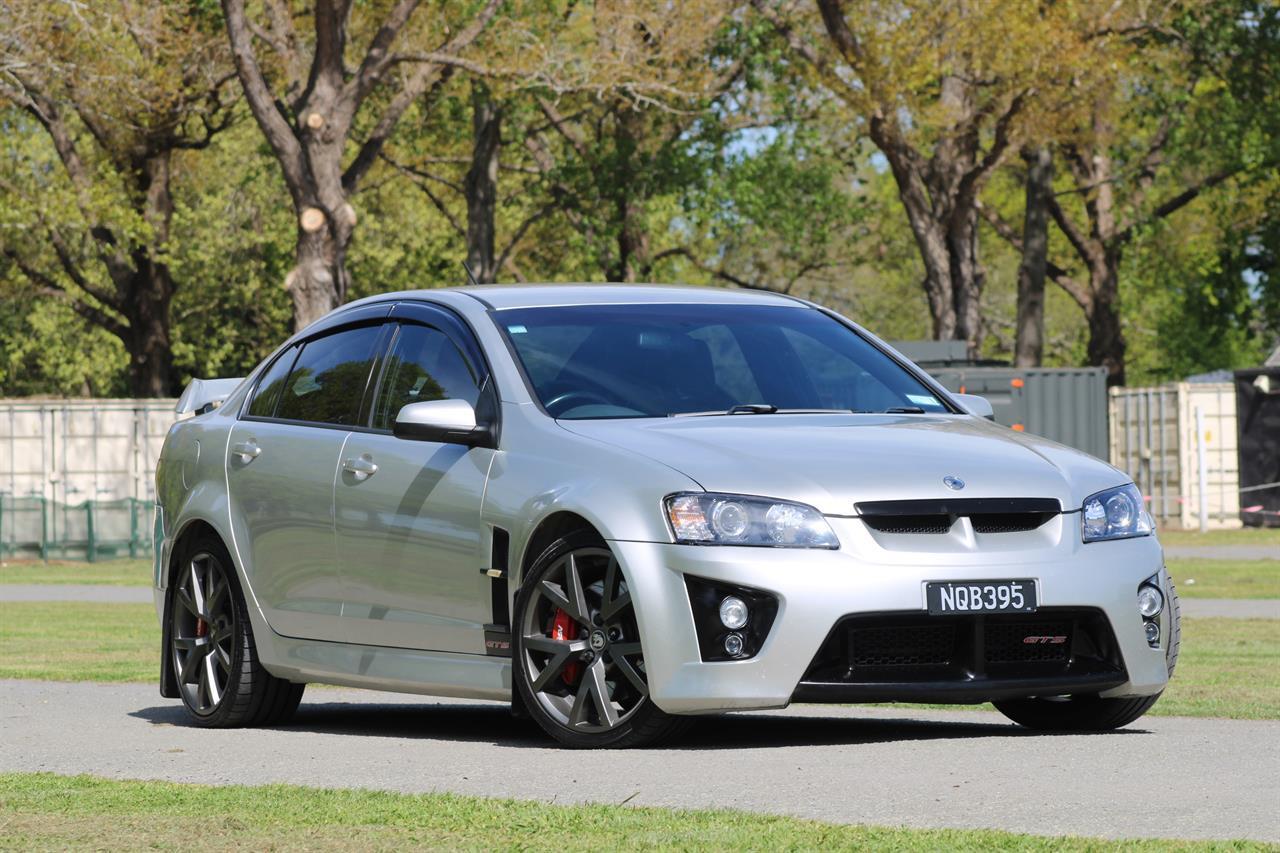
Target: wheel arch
{"x":555,"y":526}
{"x":190,"y":529}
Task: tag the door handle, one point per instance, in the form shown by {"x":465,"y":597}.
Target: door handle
{"x":361,"y":467}
{"x":246,"y":450}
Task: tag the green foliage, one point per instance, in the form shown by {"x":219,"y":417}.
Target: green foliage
{"x":734,"y":166}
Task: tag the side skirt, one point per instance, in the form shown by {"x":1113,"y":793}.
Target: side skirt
{"x":395,"y":670}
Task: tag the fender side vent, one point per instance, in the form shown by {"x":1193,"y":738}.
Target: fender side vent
{"x":497,"y":634}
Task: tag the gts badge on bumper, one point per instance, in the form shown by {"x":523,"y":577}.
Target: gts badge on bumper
{"x":1015,"y":596}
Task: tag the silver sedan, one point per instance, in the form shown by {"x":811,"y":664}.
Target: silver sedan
{"x":618,"y":507}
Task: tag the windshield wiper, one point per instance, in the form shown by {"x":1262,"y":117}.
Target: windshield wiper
{"x":762,"y":409}
{"x":903,"y":410}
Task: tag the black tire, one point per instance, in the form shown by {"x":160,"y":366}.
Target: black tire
{"x":1093,"y":713}
{"x":641,"y":723}
{"x":211,"y":640}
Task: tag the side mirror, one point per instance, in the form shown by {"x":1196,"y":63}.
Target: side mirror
{"x":979,"y":407}
{"x":447,"y":421}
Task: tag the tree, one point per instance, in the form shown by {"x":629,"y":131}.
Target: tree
{"x":940,"y":89}
{"x":590,"y":126}
{"x":1176,"y":119}
{"x":121,"y":92}
{"x":313,"y":112}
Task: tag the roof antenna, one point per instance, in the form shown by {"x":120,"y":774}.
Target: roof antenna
{"x":471,"y":277}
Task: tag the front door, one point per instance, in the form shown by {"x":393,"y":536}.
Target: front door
{"x":282,"y":460}
{"x":408,"y":512}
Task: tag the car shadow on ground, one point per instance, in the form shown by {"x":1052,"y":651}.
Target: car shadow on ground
{"x":494,"y":724}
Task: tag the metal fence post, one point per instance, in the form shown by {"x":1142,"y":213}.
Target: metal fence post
{"x":44,"y":529}
{"x":92,"y":546}
{"x":133,"y":528}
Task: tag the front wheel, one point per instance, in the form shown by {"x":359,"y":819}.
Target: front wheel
{"x":579,"y":665}
{"x":211,"y":648}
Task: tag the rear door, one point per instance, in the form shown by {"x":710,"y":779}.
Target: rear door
{"x":281,"y":463}
{"x":408,"y":512}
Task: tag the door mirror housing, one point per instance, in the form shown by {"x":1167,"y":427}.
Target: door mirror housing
{"x":979,"y":407}
{"x":447,"y":421}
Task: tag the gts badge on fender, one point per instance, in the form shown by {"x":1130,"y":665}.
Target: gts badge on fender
{"x":1044,"y":641}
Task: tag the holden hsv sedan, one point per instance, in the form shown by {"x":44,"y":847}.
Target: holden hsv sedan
{"x":618,"y":507}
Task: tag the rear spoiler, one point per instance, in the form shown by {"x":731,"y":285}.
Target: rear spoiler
{"x":205,"y":395}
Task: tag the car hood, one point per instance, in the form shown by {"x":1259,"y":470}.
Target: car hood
{"x":835,"y":461}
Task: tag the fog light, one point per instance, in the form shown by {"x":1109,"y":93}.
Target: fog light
{"x":1150,"y":601}
{"x":733,"y":645}
{"x":1153,"y":634}
{"x":733,"y":612}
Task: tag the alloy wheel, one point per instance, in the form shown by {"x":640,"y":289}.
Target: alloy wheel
{"x":581,"y":643}
{"x":203,"y":632}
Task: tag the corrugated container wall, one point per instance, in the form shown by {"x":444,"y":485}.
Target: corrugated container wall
{"x":1065,"y":404}
{"x":1154,"y":440}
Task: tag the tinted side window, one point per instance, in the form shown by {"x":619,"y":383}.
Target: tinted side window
{"x":423,"y":365}
{"x":329,"y":379}
{"x":268,"y":393}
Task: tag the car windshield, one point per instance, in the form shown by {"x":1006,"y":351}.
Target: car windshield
{"x":660,"y":360}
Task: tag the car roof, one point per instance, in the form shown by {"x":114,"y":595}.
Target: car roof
{"x":502,"y":296}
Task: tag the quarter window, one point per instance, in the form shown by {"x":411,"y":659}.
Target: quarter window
{"x":424,"y":364}
{"x":269,"y":388}
{"x":328,"y":382}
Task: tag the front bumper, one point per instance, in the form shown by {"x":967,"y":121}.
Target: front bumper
{"x":816,"y":590}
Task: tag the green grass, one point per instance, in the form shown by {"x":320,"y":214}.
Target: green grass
{"x":1253,"y":536}
{"x":1226,"y":578}
{"x":1228,"y":668}
{"x":40,"y":811}
{"x":79,"y":641}
{"x":112,"y":572}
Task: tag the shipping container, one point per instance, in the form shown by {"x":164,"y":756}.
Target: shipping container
{"x":1258,"y":429}
{"x":76,"y":472}
{"x":1155,"y":440}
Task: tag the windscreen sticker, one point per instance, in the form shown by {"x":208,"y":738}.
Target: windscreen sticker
{"x":517,"y":330}
{"x":923,"y":399}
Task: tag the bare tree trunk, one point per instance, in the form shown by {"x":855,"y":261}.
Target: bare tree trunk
{"x":967,"y":278}
{"x":309,"y":134}
{"x":481,"y":184}
{"x":1028,"y":347}
{"x":148,"y":339}
{"x":1106,"y":335}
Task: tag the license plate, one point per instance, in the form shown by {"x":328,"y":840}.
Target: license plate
{"x":1017,"y":596}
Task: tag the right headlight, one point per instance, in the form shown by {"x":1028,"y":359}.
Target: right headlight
{"x":1114,"y":514}
{"x":707,"y":518}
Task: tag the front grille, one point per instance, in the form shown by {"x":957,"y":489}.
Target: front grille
{"x":1027,"y":642}
{"x":987,"y":515}
{"x":1008,"y":522}
{"x":910,"y":523}
{"x":914,"y":648}
{"x":903,"y":645}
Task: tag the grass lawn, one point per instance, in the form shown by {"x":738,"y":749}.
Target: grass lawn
{"x":1226,"y":578}
{"x":79,"y":641}
{"x":40,"y":811}
{"x":1228,"y":668}
{"x":1255,"y":536}
{"x":111,"y":572}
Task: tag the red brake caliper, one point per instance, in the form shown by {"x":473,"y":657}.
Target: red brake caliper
{"x":202,"y":627}
{"x":562,"y":628}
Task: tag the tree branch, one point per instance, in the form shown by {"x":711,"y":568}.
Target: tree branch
{"x":275,"y":127}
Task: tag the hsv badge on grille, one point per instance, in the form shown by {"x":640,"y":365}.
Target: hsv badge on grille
{"x":953,"y":483}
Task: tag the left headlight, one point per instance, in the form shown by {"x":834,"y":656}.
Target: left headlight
{"x":706,"y":518}
{"x":1114,"y":514}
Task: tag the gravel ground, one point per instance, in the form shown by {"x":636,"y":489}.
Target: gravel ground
{"x":1160,"y":778}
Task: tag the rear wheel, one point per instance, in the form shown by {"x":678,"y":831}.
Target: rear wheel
{"x":579,"y":665}
{"x":215,"y":663}
{"x":1093,"y":713}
